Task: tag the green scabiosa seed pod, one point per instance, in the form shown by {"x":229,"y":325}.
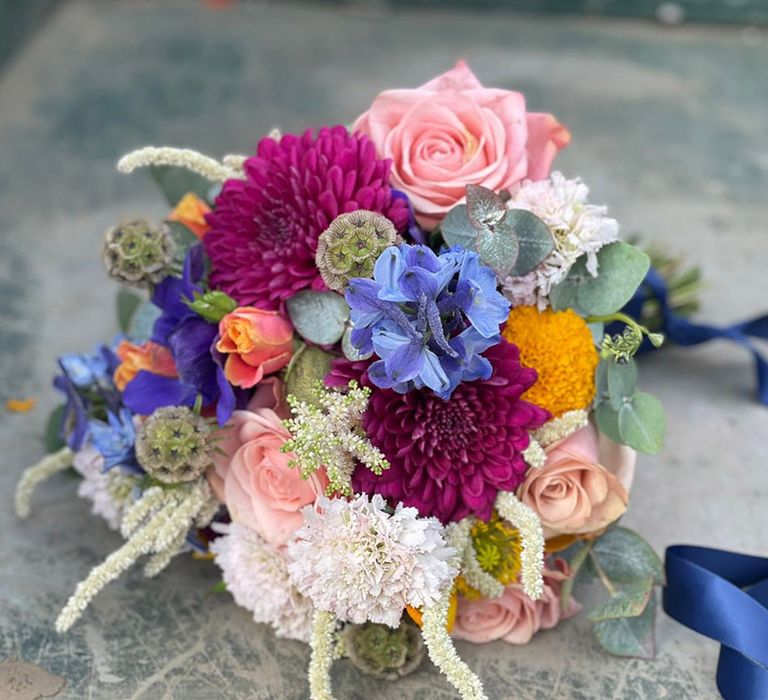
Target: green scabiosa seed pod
{"x":174,"y":445}
{"x":138,"y":254}
{"x":350,"y":246}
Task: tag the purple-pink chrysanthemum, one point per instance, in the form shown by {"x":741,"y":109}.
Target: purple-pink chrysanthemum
{"x":450,"y":458}
{"x":264,"y":229}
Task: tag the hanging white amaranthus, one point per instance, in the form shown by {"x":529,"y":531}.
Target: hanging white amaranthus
{"x":156,"y":525}
{"x":521,"y":516}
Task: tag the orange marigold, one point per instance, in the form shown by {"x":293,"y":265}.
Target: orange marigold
{"x":560,"y":347}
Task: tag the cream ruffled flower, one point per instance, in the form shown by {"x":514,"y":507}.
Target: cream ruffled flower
{"x":579,"y":229}
{"x":354,"y":559}
{"x":255,"y":573}
{"x":109,"y":492}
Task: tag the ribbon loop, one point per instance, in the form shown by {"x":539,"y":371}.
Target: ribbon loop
{"x":684,"y":332}
{"x":724,"y":596}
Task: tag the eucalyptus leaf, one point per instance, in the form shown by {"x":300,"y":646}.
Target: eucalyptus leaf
{"x":53,"y":441}
{"x":597,"y":329}
{"x":309,"y":366}
{"x":625,"y":557}
{"x":607,"y":419}
{"x":183,"y":237}
{"x":642,"y":423}
{"x":175,"y":182}
{"x":457,"y":230}
{"x":621,"y":270}
{"x":630,"y":636}
{"x":576,"y":559}
{"x":535,"y":240}
{"x":629,"y":601}
{"x":564,"y":295}
{"x":485,"y":208}
{"x":319,"y":317}
{"x":140,"y":329}
{"x":127,"y":302}
{"x":622,"y":381}
{"x":499,"y":250}
{"x":601,"y":381}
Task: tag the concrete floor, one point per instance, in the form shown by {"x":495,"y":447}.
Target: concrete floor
{"x":668,"y":127}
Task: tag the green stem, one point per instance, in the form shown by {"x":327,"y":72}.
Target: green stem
{"x":618,"y":316}
{"x":601,"y":574}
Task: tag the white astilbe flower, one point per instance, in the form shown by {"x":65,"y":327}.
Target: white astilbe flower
{"x":109,"y":492}
{"x":354,"y":559}
{"x":579,"y":229}
{"x":256,"y":574}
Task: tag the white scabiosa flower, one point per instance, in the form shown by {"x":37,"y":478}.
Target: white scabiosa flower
{"x":109,"y":492}
{"x":355,"y":560}
{"x":579,"y":229}
{"x":255,"y":573}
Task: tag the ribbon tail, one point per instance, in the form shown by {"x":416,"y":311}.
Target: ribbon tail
{"x":724,"y":596}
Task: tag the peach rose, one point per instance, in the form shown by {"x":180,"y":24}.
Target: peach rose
{"x":573,"y":493}
{"x":256,"y":343}
{"x":133,"y":358}
{"x":252,"y":477}
{"x":514,"y":617}
{"x":452,"y":132}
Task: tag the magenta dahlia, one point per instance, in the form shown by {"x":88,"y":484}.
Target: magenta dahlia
{"x":264,"y":229}
{"x":450,"y":458}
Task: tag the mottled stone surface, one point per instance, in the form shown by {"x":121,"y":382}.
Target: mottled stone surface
{"x":669,"y":127}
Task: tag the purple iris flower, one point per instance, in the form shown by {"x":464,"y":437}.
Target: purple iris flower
{"x":190,"y":339}
{"x":427,"y":317}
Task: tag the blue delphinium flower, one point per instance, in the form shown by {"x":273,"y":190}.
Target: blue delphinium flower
{"x":427,"y":317}
{"x":115,"y":440}
{"x":84,"y":380}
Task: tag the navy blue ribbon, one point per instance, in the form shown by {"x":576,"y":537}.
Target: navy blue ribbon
{"x":724,"y":595}
{"x":681,"y":331}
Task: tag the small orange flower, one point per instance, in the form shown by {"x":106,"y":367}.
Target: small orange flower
{"x":20,"y":405}
{"x":416,"y":616}
{"x":190,"y":211}
{"x":256,"y":342}
{"x":559,"y":346}
{"x":134,"y":358}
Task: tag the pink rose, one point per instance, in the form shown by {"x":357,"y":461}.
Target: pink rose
{"x":452,"y":132}
{"x":256,"y":342}
{"x":253,"y":479}
{"x":573,"y":493}
{"x":514,"y":617}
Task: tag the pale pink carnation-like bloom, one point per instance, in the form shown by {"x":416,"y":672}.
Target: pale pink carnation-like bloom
{"x":514,"y":617}
{"x":579,"y":228}
{"x":355,"y":560}
{"x":98,"y":486}
{"x":255,"y":573}
{"x":452,"y":132}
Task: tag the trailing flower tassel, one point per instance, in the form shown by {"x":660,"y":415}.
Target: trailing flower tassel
{"x":435,"y":631}
{"x":181,"y":158}
{"x":36,"y":474}
{"x":157,"y":524}
{"x":527,"y":522}
{"x":323,"y":627}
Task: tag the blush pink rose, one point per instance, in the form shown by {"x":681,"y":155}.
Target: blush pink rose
{"x":253,"y":479}
{"x":573,"y":493}
{"x":452,"y":132}
{"x":514,"y":617}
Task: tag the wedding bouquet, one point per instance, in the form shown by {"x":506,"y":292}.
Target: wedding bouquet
{"x":370,"y":380}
